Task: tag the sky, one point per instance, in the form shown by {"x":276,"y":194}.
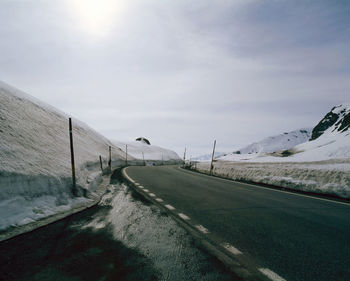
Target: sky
{"x":181,"y":73}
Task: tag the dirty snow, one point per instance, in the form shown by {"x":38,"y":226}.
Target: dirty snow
{"x":157,"y":236}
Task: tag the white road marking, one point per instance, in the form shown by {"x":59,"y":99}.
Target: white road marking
{"x":231,"y":249}
{"x":152,"y":194}
{"x":202,"y":229}
{"x":271,"y":275}
{"x":171,"y":208}
{"x":183,"y":216}
{"x":146,"y":190}
{"x":276,"y":190}
{"x":127,"y":176}
{"x":141,"y":187}
{"x":159,"y":200}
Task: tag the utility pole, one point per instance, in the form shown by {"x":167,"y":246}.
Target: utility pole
{"x":212,"y":159}
{"x":143,"y":158}
{"x":126,"y":155}
{"x":72,"y":154}
{"x":162,"y":159}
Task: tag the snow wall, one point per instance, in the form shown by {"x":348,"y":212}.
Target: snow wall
{"x":35,"y":160}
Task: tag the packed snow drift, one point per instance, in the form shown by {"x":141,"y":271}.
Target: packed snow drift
{"x":35,"y":162}
{"x":320,"y":163}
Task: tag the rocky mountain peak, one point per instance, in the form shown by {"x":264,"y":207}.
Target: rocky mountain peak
{"x":338,"y":119}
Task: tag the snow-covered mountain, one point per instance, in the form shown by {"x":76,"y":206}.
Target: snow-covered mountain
{"x":278,"y":142}
{"x":335,"y":121}
{"x":271,"y":144}
{"x":320,"y":165}
{"x":329,"y":139}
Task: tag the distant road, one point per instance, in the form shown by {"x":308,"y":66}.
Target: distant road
{"x":288,"y":236}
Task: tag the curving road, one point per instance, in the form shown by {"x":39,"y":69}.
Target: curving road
{"x":287,"y":236}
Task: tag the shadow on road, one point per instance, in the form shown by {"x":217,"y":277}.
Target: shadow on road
{"x":61,"y":252}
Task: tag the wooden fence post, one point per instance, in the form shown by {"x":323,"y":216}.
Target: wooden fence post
{"x":185,"y":156}
{"x":110,"y":159}
{"x":212,"y":159}
{"x":72,"y":155}
{"x":101,"y":163}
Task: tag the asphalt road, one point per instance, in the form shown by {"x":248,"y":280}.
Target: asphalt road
{"x":295,"y":236}
{"x":121,"y":238}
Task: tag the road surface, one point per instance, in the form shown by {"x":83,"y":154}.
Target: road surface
{"x":287,"y":236}
{"x":121,"y":238}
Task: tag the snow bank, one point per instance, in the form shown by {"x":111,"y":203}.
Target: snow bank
{"x":35,"y":168}
{"x":327,"y":177}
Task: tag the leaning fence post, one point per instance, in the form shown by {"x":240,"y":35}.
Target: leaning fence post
{"x":72,"y":153}
{"x":101,"y":163}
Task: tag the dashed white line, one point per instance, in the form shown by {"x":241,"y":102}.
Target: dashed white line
{"x":183,"y":216}
{"x":152,"y":194}
{"x":231,"y":249}
{"x":271,"y":275}
{"x":159,"y":200}
{"x":146,"y":190}
{"x":171,"y":208}
{"x":202,"y":229}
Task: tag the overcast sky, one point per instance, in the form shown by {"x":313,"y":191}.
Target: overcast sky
{"x":181,"y":73}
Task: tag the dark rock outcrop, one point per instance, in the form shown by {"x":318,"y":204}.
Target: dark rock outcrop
{"x":338,"y":117}
{"x":144,"y":140}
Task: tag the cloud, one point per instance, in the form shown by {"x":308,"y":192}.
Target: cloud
{"x":183,"y":73}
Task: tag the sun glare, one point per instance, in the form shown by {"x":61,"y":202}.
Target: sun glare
{"x":97,"y":17}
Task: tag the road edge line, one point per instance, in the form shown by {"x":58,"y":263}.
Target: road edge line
{"x":221,"y":253}
{"x":296,"y":192}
